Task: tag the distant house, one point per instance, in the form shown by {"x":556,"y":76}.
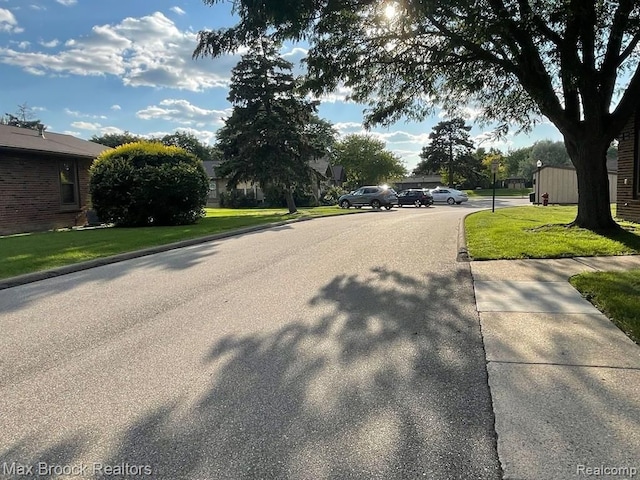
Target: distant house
{"x":327,"y":175}
{"x":44,"y":179}
{"x":424,"y":181}
{"x":514,"y":182}
{"x":628,"y":193}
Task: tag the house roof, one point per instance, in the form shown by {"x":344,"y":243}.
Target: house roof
{"x":210,"y":167}
{"x":320,"y":165}
{"x":27,"y":140}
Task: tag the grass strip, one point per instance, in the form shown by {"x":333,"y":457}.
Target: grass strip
{"x":27,"y":253}
{"x":500,"y":192}
{"x":616,"y":294}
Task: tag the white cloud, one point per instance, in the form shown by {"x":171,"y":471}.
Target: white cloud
{"x":8,"y":22}
{"x":77,"y":114}
{"x":86,"y":126}
{"x":23,"y":44}
{"x":183,"y":112}
{"x":470,"y":114}
{"x":177,"y":10}
{"x":111,"y":130}
{"x":345,"y":128}
{"x":50,"y":44}
{"x":37,"y":7}
{"x":116,"y":107}
{"x":147,"y":51}
{"x":389,"y":137}
{"x":67,"y":3}
{"x":205,"y":136}
{"x":341,"y":94}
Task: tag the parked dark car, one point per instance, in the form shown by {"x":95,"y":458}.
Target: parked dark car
{"x":375,"y":196}
{"x":415,"y":196}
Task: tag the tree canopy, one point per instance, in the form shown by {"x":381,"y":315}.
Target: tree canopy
{"x":573,"y":61}
{"x":24,"y":118}
{"x":366,"y":161}
{"x":184,"y":140}
{"x":191,"y":144}
{"x":114,"y":140}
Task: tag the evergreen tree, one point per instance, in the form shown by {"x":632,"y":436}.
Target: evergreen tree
{"x":268,"y":139}
{"x":449,"y":152}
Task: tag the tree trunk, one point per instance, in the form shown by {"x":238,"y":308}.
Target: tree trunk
{"x":594,"y":205}
{"x":291,"y":204}
{"x":451,"y":165}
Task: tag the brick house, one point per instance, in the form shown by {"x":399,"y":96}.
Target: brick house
{"x":628,"y":196}
{"x":44,"y":179}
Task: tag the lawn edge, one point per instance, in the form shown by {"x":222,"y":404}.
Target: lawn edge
{"x":98,"y":262}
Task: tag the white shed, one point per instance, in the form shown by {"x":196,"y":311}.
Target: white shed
{"x":561,"y":183}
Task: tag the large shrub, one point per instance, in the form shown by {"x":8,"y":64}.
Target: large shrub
{"x":238,"y":199}
{"x":147,"y":183}
{"x":274,"y":196}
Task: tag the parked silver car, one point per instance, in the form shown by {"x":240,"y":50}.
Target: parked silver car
{"x":374,"y":196}
{"x":449,"y":195}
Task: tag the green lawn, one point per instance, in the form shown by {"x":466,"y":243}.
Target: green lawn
{"x":616,"y":294}
{"x":540,"y":232}
{"x":500,"y":192}
{"x":28,"y":253}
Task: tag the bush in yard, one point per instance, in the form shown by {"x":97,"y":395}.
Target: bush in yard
{"x":238,"y":199}
{"x":275,"y":197}
{"x":147,"y":183}
{"x":330,"y":195}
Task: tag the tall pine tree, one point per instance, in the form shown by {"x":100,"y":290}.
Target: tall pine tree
{"x":450,"y":150}
{"x":268,"y":139}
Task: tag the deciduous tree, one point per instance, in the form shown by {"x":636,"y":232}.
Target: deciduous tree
{"x":114,"y":140}
{"x":572,"y":61}
{"x":367,"y":162}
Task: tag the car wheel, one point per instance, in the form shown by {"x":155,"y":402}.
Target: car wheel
{"x":458,"y":203}
{"x":417,"y":203}
{"x":345,"y":204}
{"x":450,"y":201}
{"x":375,"y":204}
{"x":388,"y":207}
{"x":399,"y":205}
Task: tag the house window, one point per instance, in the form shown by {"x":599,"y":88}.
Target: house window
{"x":68,"y":183}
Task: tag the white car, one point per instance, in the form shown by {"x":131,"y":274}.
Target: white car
{"x":449,"y":195}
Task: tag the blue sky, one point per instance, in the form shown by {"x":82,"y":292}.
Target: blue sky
{"x":89,"y":67}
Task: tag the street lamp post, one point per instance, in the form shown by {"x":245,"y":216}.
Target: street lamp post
{"x":539,"y":165}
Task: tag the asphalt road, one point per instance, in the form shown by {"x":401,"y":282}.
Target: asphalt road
{"x":344,"y":347}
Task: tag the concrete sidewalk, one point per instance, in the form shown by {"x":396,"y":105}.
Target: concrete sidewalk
{"x":565,"y":381}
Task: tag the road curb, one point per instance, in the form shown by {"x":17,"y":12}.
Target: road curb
{"x":98,"y":262}
{"x":463,"y":252}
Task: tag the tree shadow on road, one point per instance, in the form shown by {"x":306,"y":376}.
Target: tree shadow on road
{"x":382,"y":376}
{"x":386,"y":380}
